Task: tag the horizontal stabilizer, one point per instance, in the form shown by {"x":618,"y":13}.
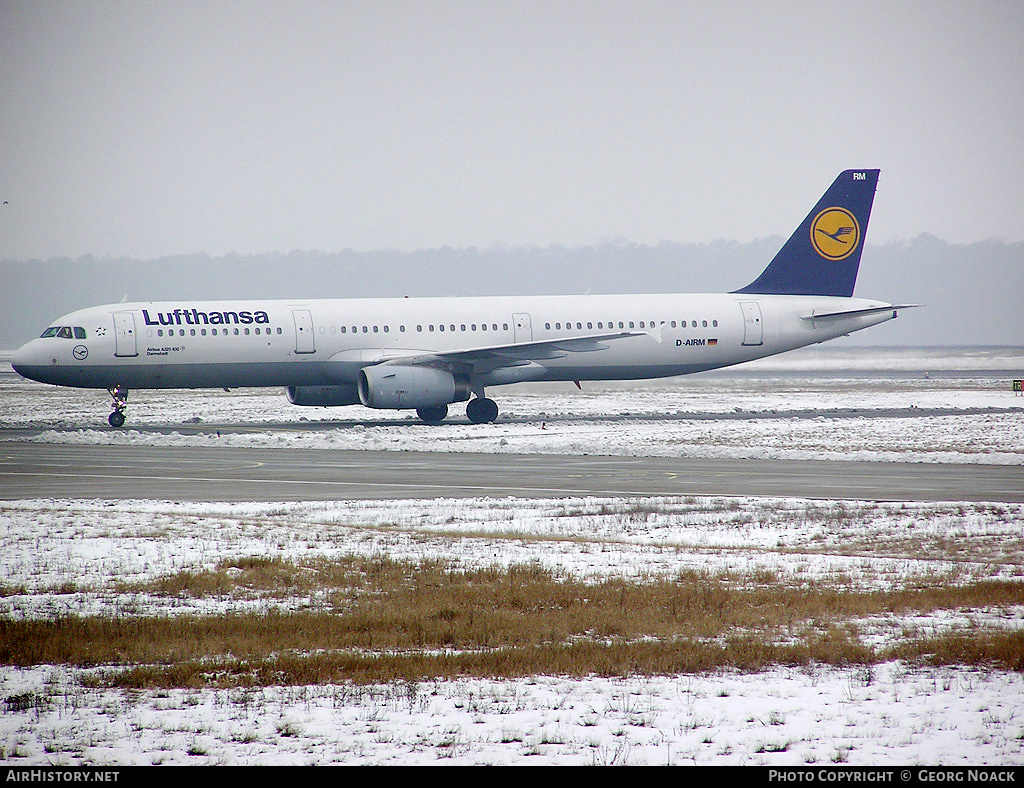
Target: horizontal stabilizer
{"x":873,"y":310}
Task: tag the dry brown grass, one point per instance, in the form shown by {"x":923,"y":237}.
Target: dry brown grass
{"x":377,"y":619}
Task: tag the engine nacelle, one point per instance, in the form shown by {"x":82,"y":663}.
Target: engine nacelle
{"x":387,"y":386}
{"x":323,"y":395}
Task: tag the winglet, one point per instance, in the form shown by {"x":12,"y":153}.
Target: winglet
{"x":823,"y":255}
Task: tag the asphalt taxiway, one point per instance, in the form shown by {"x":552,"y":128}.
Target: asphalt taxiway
{"x":50,"y":470}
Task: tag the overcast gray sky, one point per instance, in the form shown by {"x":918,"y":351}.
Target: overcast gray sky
{"x":154,"y":128}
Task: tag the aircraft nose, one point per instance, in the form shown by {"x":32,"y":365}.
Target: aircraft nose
{"x":26,"y":359}
{"x":19,"y":359}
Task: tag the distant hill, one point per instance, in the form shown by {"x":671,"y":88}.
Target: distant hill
{"x":972,"y":291}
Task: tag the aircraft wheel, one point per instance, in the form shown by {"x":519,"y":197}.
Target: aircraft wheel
{"x":116,"y":419}
{"x":482,"y":410}
{"x":432,"y":415}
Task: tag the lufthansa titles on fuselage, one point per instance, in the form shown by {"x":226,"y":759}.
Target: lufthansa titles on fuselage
{"x":196,"y":317}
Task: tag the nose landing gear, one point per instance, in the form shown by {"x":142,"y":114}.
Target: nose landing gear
{"x":120,"y":397}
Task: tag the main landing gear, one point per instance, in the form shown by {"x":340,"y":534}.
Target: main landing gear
{"x":432,"y":415}
{"x":479,"y":410}
{"x":120,"y":397}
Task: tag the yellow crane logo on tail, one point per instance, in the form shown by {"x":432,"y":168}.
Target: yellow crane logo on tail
{"x":835,"y":233}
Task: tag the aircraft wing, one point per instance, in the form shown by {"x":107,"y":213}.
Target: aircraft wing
{"x":490,"y":357}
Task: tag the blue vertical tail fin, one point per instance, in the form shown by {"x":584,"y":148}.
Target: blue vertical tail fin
{"x":823,"y":255}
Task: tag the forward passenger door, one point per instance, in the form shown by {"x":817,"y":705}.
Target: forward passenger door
{"x":125,"y":344}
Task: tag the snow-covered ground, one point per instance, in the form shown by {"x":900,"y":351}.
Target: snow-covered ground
{"x":887,"y":714}
{"x":891,"y":713}
{"x":949,"y":405}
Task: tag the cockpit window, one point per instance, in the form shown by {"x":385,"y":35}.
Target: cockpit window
{"x":64,"y":332}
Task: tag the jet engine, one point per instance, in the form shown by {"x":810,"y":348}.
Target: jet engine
{"x":387,"y":386}
{"x":323,"y":395}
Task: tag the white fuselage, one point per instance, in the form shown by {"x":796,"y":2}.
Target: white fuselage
{"x":496,"y":340}
{"x":427,"y":353}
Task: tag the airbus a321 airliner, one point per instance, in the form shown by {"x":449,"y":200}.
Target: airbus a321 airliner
{"x":427,"y":353}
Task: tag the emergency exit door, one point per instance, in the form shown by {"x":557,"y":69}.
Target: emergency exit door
{"x":304,"y":340}
{"x":523,"y":327}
